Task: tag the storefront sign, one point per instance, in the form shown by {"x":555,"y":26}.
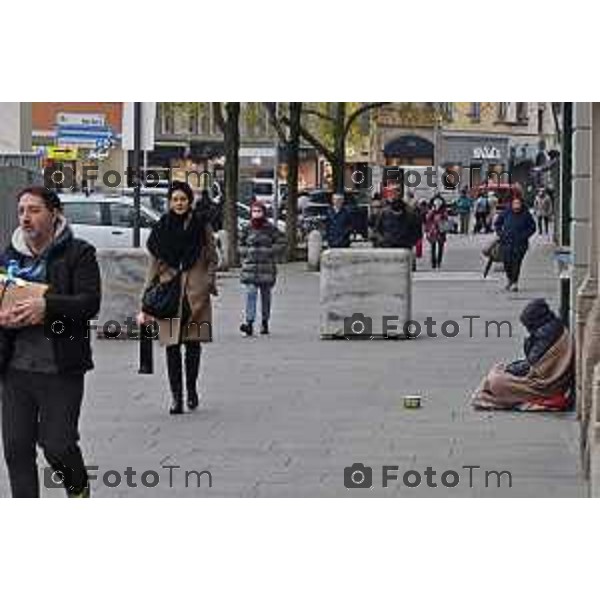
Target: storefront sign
{"x":487,"y":153}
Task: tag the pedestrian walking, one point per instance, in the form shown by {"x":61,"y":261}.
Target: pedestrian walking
{"x":437,"y":226}
{"x":45,"y":349}
{"x":542,"y":207}
{"x":260,"y":245}
{"x":464,"y":206}
{"x":338,"y":224}
{"x":399,"y":227}
{"x":514,"y":227}
{"x":183,"y":262}
{"x":482,"y":213}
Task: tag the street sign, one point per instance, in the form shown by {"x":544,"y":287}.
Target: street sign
{"x":81,"y":119}
{"x":84,"y":136}
{"x":58,"y":153}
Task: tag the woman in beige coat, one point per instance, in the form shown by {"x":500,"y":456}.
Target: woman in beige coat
{"x":182,"y":242}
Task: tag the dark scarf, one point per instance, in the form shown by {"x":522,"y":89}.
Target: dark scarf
{"x":177,"y":239}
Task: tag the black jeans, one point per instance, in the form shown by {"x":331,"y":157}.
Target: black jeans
{"x":543,"y":221}
{"x":437,"y":253}
{"x":40,"y":408}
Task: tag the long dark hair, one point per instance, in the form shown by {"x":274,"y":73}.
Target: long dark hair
{"x":181,"y":186}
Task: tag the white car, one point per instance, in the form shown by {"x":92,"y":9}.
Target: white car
{"x":107,"y":221}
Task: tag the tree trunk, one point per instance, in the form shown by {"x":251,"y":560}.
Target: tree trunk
{"x":232,"y":147}
{"x":293,"y":149}
{"x":339,"y":147}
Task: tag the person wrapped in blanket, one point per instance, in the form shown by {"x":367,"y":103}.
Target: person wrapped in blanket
{"x":540,"y":381}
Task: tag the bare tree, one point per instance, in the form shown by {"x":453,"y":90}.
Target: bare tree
{"x":290,"y":137}
{"x":228,"y":122}
{"x":341,"y":121}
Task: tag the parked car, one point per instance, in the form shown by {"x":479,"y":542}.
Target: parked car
{"x":107,"y":221}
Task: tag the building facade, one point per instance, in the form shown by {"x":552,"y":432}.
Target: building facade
{"x":474,"y":137}
{"x":78,"y":134}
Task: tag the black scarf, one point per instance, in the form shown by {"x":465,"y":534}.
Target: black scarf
{"x":177,"y":239}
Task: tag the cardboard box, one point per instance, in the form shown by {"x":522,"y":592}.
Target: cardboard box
{"x":17,"y":290}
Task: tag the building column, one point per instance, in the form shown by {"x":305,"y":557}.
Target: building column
{"x":583,"y":276}
{"x":590,"y":416}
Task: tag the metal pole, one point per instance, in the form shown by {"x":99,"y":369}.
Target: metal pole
{"x":146,"y":362}
{"x":275,"y":177}
{"x":137,"y":151}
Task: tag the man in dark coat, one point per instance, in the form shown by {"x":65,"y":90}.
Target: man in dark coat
{"x":339,"y":224}
{"x":45,"y":347}
{"x":399,"y":226}
{"x":514,"y":227}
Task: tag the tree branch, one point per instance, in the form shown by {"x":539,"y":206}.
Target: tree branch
{"x":271,"y":108}
{"x":316,"y":113}
{"x":218,"y":116}
{"x":359,"y":111}
{"x":311,"y":139}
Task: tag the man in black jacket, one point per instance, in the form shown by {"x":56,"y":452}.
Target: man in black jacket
{"x":399,"y":226}
{"x":45,"y":348}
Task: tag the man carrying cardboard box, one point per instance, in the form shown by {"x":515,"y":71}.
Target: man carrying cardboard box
{"x":44,"y":345}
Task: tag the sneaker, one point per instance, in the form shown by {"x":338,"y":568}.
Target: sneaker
{"x":514,"y":287}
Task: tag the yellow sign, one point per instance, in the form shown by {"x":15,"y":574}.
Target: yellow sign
{"x":58,"y":153}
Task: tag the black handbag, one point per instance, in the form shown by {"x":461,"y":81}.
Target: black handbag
{"x":161,"y":300}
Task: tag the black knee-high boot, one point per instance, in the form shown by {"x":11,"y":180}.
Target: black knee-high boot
{"x":192,"y":368}
{"x":174,"y":371}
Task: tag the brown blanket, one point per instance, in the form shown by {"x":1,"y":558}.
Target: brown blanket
{"x":550,"y":376}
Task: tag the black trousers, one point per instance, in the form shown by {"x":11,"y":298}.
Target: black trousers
{"x":543,"y":221}
{"x":437,"y":253}
{"x":512,"y":266}
{"x":40,"y":408}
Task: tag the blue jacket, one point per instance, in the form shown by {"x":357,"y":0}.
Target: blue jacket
{"x":514,"y":229}
{"x":339,"y":227}
{"x":464,"y":205}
